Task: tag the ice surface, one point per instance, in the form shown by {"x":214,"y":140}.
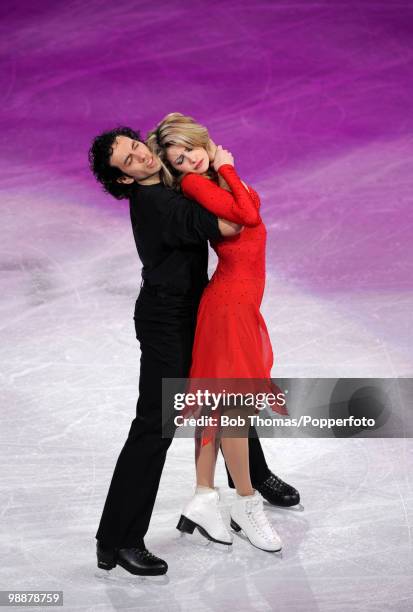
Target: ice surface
{"x":314,"y":100}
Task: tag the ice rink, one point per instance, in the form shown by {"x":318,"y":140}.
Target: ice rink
{"x":314,"y":99}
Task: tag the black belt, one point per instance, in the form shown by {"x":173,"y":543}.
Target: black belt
{"x":167,"y":291}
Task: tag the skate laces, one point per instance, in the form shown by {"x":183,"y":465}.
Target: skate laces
{"x":144,"y":553}
{"x":218,"y":511}
{"x":257,"y":516}
{"x":274,"y":483}
{"x":277,"y":483}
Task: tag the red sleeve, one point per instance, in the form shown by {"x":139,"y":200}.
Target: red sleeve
{"x":237,"y":206}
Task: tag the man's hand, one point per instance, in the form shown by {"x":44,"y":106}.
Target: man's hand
{"x":228,"y":228}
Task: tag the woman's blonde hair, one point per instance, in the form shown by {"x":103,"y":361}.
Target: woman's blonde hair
{"x":176,"y":129}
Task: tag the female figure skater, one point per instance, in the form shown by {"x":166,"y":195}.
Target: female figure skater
{"x":231,"y":338}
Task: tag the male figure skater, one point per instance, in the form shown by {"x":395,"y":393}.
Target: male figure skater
{"x":171,"y":234}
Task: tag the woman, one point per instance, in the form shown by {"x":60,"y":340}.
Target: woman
{"x":231,"y":339}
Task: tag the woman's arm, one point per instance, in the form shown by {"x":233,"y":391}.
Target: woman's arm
{"x":237,"y":206}
{"x":212,"y":150}
{"x":223,"y":183}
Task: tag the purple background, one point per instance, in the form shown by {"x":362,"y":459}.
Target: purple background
{"x":313,"y":98}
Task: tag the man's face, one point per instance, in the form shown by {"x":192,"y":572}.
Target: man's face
{"x":135,"y":160}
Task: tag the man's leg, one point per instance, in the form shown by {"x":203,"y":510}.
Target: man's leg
{"x":165,"y":331}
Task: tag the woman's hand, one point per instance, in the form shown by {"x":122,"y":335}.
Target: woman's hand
{"x":222,"y":156}
{"x":211,"y":149}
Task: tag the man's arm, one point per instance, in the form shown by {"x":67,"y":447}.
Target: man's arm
{"x":227,"y":228}
{"x":187,"y":223}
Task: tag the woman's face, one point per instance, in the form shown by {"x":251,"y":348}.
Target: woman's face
{"x":185,"y":159}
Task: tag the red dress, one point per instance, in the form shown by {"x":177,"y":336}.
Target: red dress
{"x":231,"y":338}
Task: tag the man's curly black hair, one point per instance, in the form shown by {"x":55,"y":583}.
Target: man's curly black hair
{"x":99,"y":155}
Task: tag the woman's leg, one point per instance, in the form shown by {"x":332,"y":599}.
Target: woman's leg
{"x":202,"y":509}
{"x":205,"y":460}
{"x":236,"y":454}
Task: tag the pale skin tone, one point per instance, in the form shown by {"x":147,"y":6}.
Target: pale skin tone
{"x":197,"y":160}
{"x":235,"y":450}
{"x":139,"y":164}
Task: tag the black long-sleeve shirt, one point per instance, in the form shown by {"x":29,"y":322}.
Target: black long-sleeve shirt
{"x":171,"y":234}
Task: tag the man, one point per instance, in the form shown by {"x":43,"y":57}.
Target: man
{"x":171,"y":235}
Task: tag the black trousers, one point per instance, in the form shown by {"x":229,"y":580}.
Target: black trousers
{"x":165,"y":327}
